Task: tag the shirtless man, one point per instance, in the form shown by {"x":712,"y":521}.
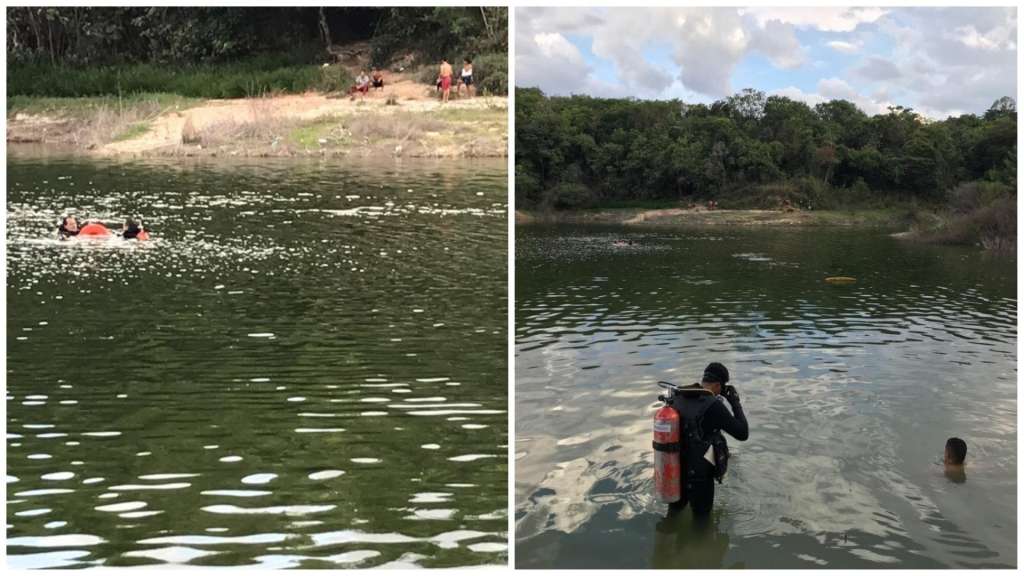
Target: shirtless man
{"x":446,"y":79}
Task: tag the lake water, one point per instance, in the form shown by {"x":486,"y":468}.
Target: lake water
{"x":850,"y":390}
{"x":306,"y":367}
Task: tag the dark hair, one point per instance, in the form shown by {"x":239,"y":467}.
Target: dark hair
{"x":957,"y":448}
{"x":467,"y":60}
{"x":131,"y":229}
{"x":716,"y":372}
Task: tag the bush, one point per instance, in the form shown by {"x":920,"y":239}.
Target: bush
{"x":992,"y":225}
{"x":971,"y":196}
{"x":568,"y":195}
{"x":490,"y":72}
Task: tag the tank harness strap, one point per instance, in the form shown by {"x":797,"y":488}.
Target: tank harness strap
{"x":698,"y":420}
{"x":668,"y":446}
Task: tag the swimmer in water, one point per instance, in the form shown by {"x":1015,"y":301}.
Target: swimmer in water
{"x":953,"y":460}
{"x":68,"y":227}
{"x":133,"y":230}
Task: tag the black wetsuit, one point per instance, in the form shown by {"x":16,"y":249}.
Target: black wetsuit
{"x":700,"y":484}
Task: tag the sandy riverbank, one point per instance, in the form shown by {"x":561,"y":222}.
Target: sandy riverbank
{"x":407,"y":119}
{"x":703,"y":217}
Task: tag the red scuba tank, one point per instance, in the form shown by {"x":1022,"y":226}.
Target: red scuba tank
{"x":667,"y":464}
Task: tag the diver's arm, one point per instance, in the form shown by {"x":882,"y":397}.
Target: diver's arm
{"x":736,"y":423}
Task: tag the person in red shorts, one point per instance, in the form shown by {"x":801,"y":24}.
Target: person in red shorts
{"x":446,"y":79}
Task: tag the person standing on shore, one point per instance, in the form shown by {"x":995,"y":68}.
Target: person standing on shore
{"x":446,"y":79}
{"x":467,"y":77}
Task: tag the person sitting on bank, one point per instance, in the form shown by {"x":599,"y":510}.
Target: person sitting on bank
{"x":67,"y":228}
{"x":377,"y":79}
{"x":362,"y":85}
{"x":953,"y":460}
{"x":704,"y":418}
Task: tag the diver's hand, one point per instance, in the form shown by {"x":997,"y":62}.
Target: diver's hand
{"x":731,"y":395}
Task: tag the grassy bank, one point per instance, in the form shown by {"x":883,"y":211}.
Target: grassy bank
{"x":365,"y":130}
{"x":890,"y":218}
{"x":981,"y":214}
{"x":87,"y":122}
{"x":250,"y":77}
{"x":299,"y":125}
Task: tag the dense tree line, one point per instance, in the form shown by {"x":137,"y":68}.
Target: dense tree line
{"x":749,"y":149}
{"x":191,"y":35}
{"x":42,"y":42}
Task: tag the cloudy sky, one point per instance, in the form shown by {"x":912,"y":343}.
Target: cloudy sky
{"x":939,"y":61}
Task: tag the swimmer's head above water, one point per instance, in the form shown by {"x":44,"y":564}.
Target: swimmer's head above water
{"x":131,"y":229}
{"x":953,"y":460}
{"x":68,"y":227}
{"x":956,"y":452}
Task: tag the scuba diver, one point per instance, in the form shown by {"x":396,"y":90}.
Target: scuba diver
{"x":697,"y":419}
{"x":67,"y":228}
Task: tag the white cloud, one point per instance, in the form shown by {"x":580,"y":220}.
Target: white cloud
{"x":949,"y":60}
{"x":550,"y":60}
{"x":844,"y":47}
{"x":705,"y":45}
{"x":795,"y":93}
{"x":826,"y":19}
{"x":554,"y":45}
{"x":777,"y":41}
{"x":835,"y":89}
{"x":939,"y":61}
{"x":875,"y":68}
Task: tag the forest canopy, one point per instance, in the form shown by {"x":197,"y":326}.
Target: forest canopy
{"x":750,"y":149}
{"x":44,"y":43}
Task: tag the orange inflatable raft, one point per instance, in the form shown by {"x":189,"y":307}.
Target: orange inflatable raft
{"x":97,"y":230}
{"x":94,"y":230}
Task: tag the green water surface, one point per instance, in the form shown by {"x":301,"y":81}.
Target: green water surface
{"x":306,"y":366}
{"x":850,"y":391}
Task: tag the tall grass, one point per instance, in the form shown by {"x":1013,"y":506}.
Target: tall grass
{"x":235,"y":80}
{"x":84,"y":107}
{"x":263,"y":125}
